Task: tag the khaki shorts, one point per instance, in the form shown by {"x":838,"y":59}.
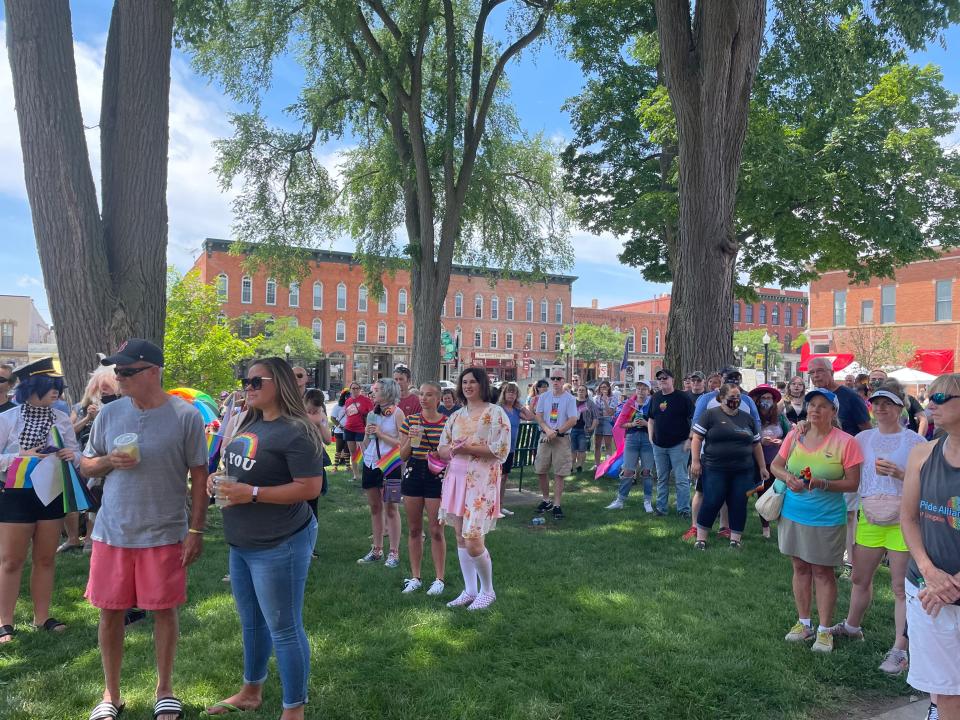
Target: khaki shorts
{"x":555,"y":454}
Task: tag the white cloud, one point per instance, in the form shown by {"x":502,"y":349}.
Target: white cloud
{"x":29,"y":281}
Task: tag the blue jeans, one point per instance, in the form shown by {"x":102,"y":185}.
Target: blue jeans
{"x":268,"y":586}
{"x":725,"y":486}
{"x":637,"y":449}
{"x":672,"y":458}
{"x":578,"y":440}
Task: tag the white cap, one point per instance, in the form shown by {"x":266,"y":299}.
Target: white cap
{"x":892,"y":397}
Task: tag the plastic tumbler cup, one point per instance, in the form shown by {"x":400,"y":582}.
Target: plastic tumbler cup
{"x":219,"y":480}
{"x":128,"y":443}
{"x":416,"y":433}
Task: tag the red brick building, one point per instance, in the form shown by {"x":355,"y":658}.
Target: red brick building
{"x":512,"y":328}
{"x":917,"y":304}
{"x":782,"y":313}
{"x":646,"y":333}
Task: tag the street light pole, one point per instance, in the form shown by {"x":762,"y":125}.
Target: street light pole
{"x":766,"y":357}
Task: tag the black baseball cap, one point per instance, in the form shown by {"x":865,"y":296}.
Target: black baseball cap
{"x":134,"y":350}
{"x":729,"y":371}
{"x":663,"y":372}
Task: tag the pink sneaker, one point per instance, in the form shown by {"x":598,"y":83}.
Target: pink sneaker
{"x":483,"y":601}
{"x":462,"y":599}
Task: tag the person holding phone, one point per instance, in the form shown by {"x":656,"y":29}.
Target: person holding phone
{"x":27,"y":433}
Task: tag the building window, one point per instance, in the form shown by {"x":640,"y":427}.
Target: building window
{"x":800,"y":316}
{"x":402,"y":303}
{"x":494,"y":308}
{"x":631,"y":340}
{"x":866,"y":312}
{"x":529,"y":310}
{"x":508,"y":340}
{"x":528,"y":341}
{"x":493,"y":338}
{"x":316,"y":329}
{"x":543,"y":341}
{"x":478,"y":307}
{"x":223,"y":285}
{"x":245,"y":328}
{"x":246,"y":290}
{"x":888,"y":303}
{"x":443,"y":310}
{"x":558,"y":312}
{"x":361,"y":332}
{"x":787,"y":315}
{"x":775,"y":314}
{"x":6,"y":336}
{"x":762,"y":320}
{"x":294,"y":297}
{"x":736,"y":312}
{"x":341,"y":297}
{"x":543,"y":311}
{"x":509,"y":308}
{"x":382,"y":333}
{"x":271,"y":297}
{"x":362,"y":298}
{"x":382,"y":302}
{"x":656,"y":342}
{"x":341,"y":331}
{"x":458,"y":305}
{"x":839,"y":308}
{"x":556,"y":342}
{"x":787,"y":345}
{"x":318,"y":295}
{"x":477,"y":338}
{"x":748,"y":314}
{"x":944,"y":309}
{"x":401,"y":334}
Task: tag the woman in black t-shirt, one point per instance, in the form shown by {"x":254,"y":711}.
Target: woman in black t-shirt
{"x":275,"y":460}
{"x":731,"y":449}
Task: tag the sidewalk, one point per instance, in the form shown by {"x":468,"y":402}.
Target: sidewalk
{"x":913,"y":711}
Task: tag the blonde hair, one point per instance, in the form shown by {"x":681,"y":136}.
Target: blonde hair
{"x":502,"y":402}
{"x":949,"y":384}
{"x":101,"y":378}
{"x":289,"y":400}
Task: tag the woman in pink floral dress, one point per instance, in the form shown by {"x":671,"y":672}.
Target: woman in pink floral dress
{"x":476,"y":440}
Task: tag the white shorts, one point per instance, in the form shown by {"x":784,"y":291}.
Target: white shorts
{"x":934,"y":646}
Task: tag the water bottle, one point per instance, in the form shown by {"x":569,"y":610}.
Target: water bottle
{"x":537,"y":521}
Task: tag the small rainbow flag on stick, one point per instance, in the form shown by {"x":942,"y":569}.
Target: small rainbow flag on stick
{"x":76,"y":496}
{"x":390,"y":461}
{"x":357,"y":456}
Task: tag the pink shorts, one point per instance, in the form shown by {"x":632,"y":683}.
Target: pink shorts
{"x":146,"y":578}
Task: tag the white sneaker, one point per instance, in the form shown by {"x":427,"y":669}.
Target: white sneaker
{"x":436,"y":587}
{"x":483,"y":601}
{"x":617,"y":504}
{"x":392,"y":561}
{"x":647,"y":506}
{"x":411,"y":585}
{"x":505,"y":512}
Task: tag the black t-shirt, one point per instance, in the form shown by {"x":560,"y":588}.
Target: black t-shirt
{"x":853,"y":410}
{"x":671,"y":415}
{"x":914,"y":411}
{"x":8,"y":405}
{"x":728,"y":439}
{"x":268,"y":454}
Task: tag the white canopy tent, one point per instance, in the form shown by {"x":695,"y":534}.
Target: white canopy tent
{"x":909,"y":376}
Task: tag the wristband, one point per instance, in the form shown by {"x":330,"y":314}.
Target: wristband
{"x":194,"y":532}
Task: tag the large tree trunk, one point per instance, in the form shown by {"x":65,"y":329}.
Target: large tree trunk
{"x":428,"y":285}
{"x":710,"y":64}
{"x":104,"y":279}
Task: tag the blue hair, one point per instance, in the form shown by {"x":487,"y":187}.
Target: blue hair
{"x":38,"y":385}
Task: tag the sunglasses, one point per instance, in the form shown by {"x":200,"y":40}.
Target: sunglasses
{"x":556,"y":378}
{"x":4,"y":380}
{"x":130,"y":372}
{"x":942,"y":398}
{"x":255,"y":382}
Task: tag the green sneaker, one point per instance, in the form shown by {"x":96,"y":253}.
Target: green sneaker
{"x":824,"y":642}
{"x":799,"y":633}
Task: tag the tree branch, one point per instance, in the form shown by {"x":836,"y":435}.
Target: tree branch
{"x":453,"y":70}
{"x":364,"y":27}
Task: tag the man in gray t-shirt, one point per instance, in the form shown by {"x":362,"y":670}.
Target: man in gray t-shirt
{"x":556,"y":414}
{"x":143,"y":542}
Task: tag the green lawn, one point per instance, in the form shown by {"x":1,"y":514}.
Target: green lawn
{"x":605,"y":615}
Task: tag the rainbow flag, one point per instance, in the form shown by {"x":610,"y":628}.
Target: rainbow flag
{"x":357,"y":456}
{"x":390,"y":461}
{"x":76,"y":496}
{"x":18,"y":473}
{"x":214,"y":445}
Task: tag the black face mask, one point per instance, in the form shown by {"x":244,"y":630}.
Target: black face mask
{"x":105,"y":399}
{"x":876,"y":382}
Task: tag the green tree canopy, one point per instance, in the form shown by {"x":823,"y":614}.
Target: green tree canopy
{"x":594,"y":343}
{"x":753,"y":341}
{"x":199,"y":351}
{"x":280,"y":333}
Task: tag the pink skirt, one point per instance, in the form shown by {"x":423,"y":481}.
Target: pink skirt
{"x":471,"y":491}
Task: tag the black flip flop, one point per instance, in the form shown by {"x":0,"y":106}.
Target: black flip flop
{"x":168,"y":706}
{"x":106,"y":711}
{"x":51,"y":624}
{"x":7,"y":631}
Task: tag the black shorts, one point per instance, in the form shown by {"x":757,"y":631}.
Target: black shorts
{"x":699,"y":486}
{"x":350,"y":436}
{"x":418,"y":481}
{"x":21,"y":505}
{"x":373,"y":477}
{"x":507,"y":465}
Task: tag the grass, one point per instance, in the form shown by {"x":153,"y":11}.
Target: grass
{"x":604,"y":615}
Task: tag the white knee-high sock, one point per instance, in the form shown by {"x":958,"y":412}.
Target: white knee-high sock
{"x":484,"y":565}
{"x":469,"y":569}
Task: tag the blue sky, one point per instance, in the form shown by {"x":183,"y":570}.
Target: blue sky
{"x":540,"y":84}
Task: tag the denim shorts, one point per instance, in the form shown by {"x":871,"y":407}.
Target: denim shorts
{"x":578,"y":440}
